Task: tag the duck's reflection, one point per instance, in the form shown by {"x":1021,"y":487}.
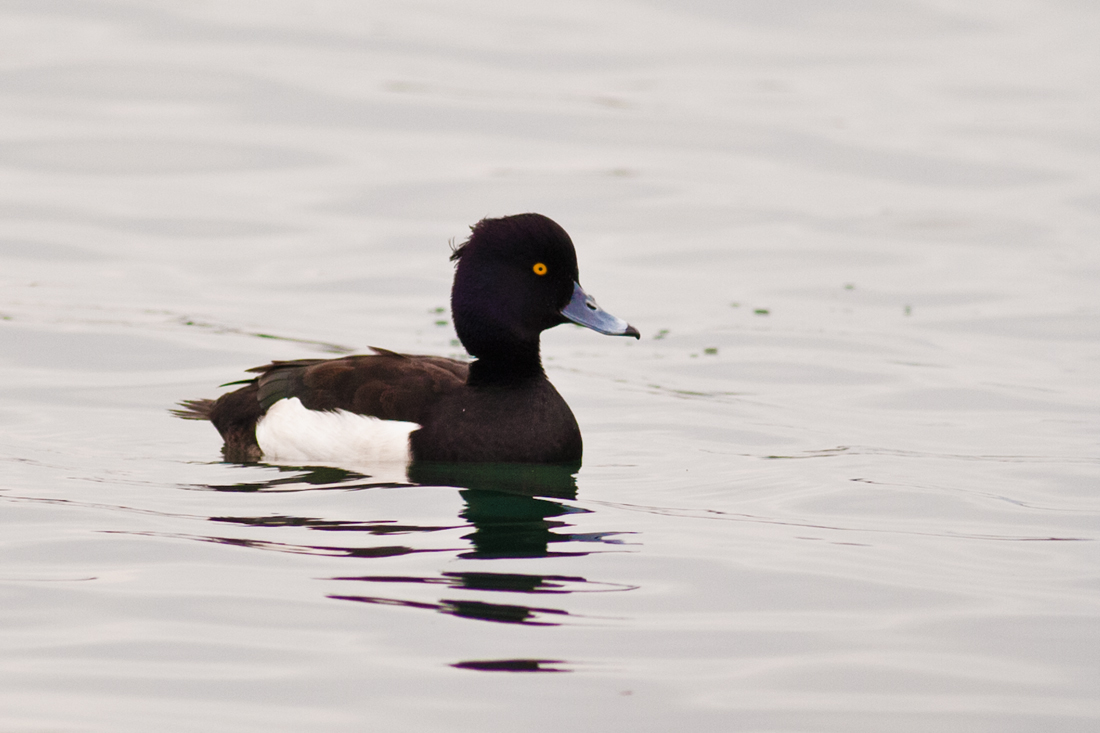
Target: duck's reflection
{"x":513,"y":665}
{"x":506,"y":582}
{"x":512,"y":511}
{"x":309,"y":478}
{"x":515,"y":511}
{"x":513,"y":479}
{"x":506,"y":525}
{"x":478,"y":610}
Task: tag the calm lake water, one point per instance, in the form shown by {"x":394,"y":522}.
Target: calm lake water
{"x":849,"y":480}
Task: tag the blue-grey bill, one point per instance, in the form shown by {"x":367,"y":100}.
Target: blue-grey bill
{"x":582,"y":309}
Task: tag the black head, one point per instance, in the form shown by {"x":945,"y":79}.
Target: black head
{"x":514,"y":277}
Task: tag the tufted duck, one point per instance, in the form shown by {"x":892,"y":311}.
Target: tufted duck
{"x":516,"y":277}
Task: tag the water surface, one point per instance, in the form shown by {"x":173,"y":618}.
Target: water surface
{"x":846,"y":482}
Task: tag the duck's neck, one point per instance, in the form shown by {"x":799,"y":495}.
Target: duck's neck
{"x":515,"y":365}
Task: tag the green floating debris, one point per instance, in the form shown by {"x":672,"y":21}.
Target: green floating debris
{"x":908,"y":310}
{"x":442,"y":322}
{"x":660,"y":334}
{"x":735,"y":305}
{"x":761,"y":311}
{"x":710,"y":350}
{"x":849,"y":286}
{"x":438,"y":309}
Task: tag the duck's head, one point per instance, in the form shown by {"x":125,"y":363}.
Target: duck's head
{"x":516,"y":277}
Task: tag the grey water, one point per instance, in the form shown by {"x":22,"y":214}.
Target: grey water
{"x":849,"y":480}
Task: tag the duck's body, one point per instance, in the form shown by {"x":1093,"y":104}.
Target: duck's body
{"x":516,"y":277}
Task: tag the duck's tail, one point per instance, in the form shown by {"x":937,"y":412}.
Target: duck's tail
{"x":194,"y":409}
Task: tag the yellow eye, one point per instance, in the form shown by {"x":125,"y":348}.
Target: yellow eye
{"x":539,"y":269}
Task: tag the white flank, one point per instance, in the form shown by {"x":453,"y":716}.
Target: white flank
{"x":290,"y":432}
